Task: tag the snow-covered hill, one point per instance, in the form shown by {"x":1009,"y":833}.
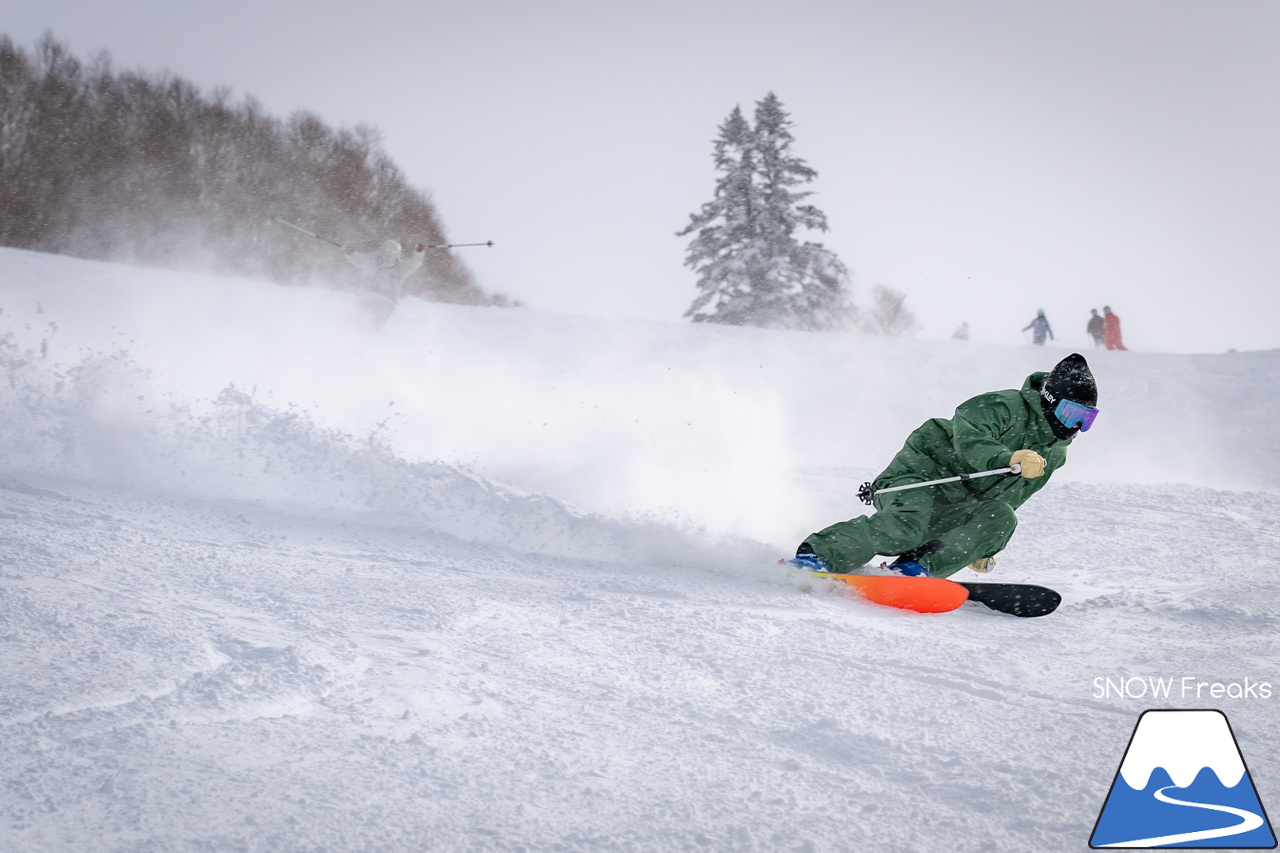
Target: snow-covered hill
{"x":498,"y":580}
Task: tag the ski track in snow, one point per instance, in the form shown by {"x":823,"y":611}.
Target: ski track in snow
{"x":215,"y":648}
{"x":196,"y":675}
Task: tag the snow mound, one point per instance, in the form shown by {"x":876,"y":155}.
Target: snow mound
{"x":102,"y":419}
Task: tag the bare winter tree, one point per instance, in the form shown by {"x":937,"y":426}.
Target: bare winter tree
{"x":889,"y":314}
{"x":145,"y":168}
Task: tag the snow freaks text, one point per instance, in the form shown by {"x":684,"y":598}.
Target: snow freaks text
{"x":1185,"y":687}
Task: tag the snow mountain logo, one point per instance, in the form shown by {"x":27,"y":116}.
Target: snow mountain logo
{"x":1183,"y":783}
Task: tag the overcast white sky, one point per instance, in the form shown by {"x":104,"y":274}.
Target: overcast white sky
{"x":989,"y":158}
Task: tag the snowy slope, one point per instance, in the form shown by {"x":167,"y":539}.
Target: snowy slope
{"x":499,"y":580}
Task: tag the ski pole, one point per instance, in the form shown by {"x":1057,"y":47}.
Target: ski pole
{"x":867,"y":492}
{"x":308,"y":233}
{"x":460,"y":245}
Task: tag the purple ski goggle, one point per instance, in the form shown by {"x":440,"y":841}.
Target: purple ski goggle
{"x":1072,"y":414}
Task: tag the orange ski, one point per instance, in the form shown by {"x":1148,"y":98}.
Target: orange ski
{"x":923,"y":595}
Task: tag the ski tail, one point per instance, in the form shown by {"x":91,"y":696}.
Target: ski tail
{"x":1015,"y":599}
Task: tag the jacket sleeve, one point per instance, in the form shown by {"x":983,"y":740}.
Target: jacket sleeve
{"x":408,"y":266}
{"x":363,"y":261}
{"x":977,"y":429}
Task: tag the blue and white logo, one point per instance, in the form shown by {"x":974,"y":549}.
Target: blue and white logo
{"x":1183,"y":783}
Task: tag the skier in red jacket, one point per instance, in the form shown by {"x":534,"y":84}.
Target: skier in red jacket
{"x":1111,"y":329}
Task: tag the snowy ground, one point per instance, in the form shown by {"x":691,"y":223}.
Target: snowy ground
{"x":497,"y":580}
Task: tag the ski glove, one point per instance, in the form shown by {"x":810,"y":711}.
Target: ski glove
{"x":1032,"y":463}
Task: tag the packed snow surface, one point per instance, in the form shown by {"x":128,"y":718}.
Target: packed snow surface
{"x":483,"y":579}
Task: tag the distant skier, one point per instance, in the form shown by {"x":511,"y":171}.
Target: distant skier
{"x":962,"y":333}
{"x":1039,"y":328}
{"x":938,"y":530}
{"x":386,"y":271}
{"x":1094,"y":327}
{"x":1111,"y":322}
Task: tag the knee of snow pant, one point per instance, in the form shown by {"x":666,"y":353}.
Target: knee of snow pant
{"x":901,"y":523}
{"x":970,"y":532}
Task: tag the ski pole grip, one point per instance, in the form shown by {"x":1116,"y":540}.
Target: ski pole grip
{"x":1015,"y":468}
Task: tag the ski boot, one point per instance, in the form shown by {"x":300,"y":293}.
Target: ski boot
{"x":907,"y":564}
{"x":807,"y":560}
{"x":983,"y":565}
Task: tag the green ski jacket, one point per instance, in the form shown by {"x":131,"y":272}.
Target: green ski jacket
{"x":982,"y":435}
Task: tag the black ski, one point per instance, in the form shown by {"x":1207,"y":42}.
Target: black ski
{"x":1017,"y":599}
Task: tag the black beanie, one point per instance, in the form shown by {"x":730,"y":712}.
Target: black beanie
{"x":1070,"y":379}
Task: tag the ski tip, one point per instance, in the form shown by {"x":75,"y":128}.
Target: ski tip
{"x":923,"y":595}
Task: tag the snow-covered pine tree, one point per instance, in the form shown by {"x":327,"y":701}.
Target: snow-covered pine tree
{"x":752,"y":270}
{"x":724,"y":230}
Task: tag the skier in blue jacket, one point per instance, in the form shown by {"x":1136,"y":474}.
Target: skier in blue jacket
{"x":1040,"y":328}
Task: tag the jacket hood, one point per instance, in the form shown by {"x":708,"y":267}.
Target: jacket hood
{"x":1031,"y":396}
{"x":389,"y":253}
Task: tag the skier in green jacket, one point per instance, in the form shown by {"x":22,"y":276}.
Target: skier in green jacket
{"x":938,"y":530}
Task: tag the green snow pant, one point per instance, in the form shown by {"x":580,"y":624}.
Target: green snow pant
{"x":968,"y":530}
